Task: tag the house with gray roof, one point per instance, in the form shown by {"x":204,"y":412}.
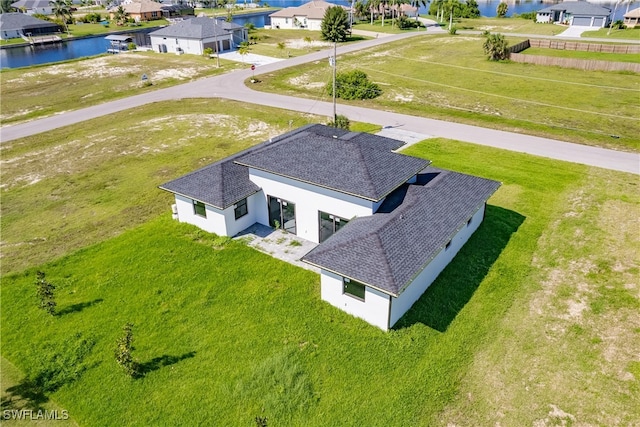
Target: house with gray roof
{"x":196,"y":34}
{"x":31,"y":7}
{"x":17,"y":25}
{"x":386,"y":223}
{"x":575,"y":13}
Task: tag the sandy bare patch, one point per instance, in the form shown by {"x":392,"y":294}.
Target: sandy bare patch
{"x":403,"y":97}
{"x":301,"y":44}
{"x":305,"y":81}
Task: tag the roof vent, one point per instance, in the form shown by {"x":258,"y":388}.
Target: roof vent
{"x":335,"y":136}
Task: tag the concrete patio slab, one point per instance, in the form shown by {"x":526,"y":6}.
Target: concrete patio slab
{"x":279,"y":244}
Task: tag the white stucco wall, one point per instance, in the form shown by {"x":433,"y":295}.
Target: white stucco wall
{"x":11,"y":34}
{"x":220,"y":222}
{"x":374,"y":309}
{"x":187,"y":45}
{"x":543,"y":18}
{"x":400,"y":305}
{"x":309,"y":199}
{"x":290,"y":23}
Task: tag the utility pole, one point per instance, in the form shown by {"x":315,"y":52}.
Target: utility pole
{"x":335,"y":64}
{"x":215,"y":26}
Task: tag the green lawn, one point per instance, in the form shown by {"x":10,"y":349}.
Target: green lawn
{"x":79,"y":30}
{"x":507,"y":25}
{"x":598,"y":56}
{"x":626,"y":34}
{"x":449,"y":78}
{"x":82,"y":83}
{"x":540,"y":308}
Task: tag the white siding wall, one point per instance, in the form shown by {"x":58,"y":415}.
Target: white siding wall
{"x":309,"y":199}
{"x":220,"y":222}
{"x":314,"y":24}
{"x":289,"y":23}
{"x":543,"y":17}
{"x":414,"y":291}
{"x":11,"y":34}
{"x":188,"y":46}
{"x":374,"y":309}
{"x":282,"y":23}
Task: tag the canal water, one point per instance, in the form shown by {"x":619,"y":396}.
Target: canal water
{"x":15,"y":57}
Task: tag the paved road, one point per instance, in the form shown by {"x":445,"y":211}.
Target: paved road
{"x":231,"y":86}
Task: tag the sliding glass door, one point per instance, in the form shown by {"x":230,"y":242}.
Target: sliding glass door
{"x":282,"y":214}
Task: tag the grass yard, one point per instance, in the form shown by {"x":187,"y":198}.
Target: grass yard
{"x":507,"y":25}
{"x":598,"y":56}
{"x":449,"y":78}
{"x":93,"y":180}
{"x":82,"y":83}
{"x":379,"y":28}
{"x":626,"y":34}
{"x":82,"y":29}
{"x":534,"y":323}
{"x":296,"y":42}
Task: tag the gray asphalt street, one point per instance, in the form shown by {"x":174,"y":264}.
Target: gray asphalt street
{"x":231,"y":86}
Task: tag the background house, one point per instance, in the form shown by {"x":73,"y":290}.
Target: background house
{"x":31,"y":7}
{"x":386,"y":223}
{"x":632,"y":18}
{"x":575,"y":13}
{"x":196,"y":34}
{"x":308,"y":16}
{"x":140,"y":10}
{"x":16,"y":25}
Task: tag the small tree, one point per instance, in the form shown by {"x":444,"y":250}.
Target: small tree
{"x":342,"y":122}
{"x":46,"y":294}
{"x":243,"y":49}
{"x":502,"y":9}
{"x":307,"y":41}
{"x":354,"y":85}
{"x":207,"y":51}
{"x":335,"y":24}
{"x":281,"y":46}
{"x":124,"y":347}
{"x":496,"y":47}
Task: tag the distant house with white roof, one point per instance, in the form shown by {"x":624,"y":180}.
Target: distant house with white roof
{"x":306,"y":17}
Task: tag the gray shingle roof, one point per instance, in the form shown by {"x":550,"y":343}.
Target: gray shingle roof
{"x":220,"y":184}
{"x":579,"y":8}
{"x":359,"y":164}
{"x":388,"y":249}
{"x":197,"y":28}
{"x":17,"y":21}
{"x":31,"y":4}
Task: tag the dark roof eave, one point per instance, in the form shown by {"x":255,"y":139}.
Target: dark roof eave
{"x":360,"y":196}
{"x":355,"y":279}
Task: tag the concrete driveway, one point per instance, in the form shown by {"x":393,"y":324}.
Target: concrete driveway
{"x":575,"y":31}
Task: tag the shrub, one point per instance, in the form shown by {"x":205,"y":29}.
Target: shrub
{"x":131,"y":46}
{"x":453,"y":30}
{"x":405,"y":23}
{"x":46,"y":294}
{"x":496,"y":47}
{"x":618,"y":25}
{"x":124,"y":347}
{"x":342,"y":122}
{"x":207,"y":51}
{"x":527,"y":15}
{"x":354,"y":85}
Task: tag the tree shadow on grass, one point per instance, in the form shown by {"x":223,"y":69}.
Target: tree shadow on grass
{"x":455,"y":286}
{"x":25,"y":395}
{"x":159,"y":362}
{"x":74,"y":308}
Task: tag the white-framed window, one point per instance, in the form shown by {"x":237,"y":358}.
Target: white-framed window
{"x":353,"y":289}
{"x":241,"y":209}
{"x":199,"y":208}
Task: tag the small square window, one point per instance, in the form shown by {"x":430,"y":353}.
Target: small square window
{"x":241,"y":209}
{"x":199,"y":209}
{"x":353,"y":288}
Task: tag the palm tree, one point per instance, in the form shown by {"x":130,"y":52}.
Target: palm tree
{"x":120,"y":16}
{"x":243,"y":49}
{"x":452,"y":5}
{"x":62,"y":10}
{"x":374,"y":7}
